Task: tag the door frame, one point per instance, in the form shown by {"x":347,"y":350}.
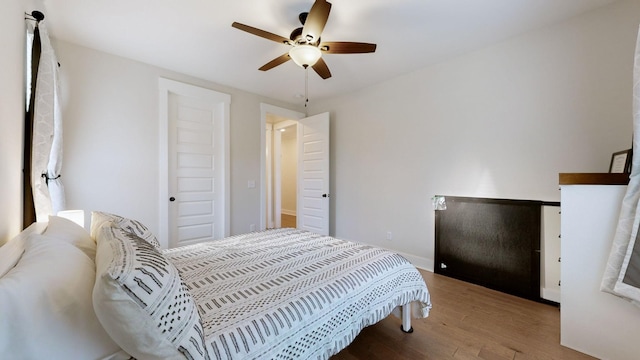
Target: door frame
{"x":165,"y":88}
{"x":278,"y":111}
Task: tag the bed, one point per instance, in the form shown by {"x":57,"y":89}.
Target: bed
{"x":276,"y":294}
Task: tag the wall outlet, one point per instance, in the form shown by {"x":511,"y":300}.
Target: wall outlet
{"x":389,"y":236}
{"x":252,"y":227}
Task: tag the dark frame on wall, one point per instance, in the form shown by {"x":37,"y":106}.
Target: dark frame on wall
{"x":621,"y":162}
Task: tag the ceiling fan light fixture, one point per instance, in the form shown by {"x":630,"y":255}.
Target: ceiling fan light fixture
{"x":306,"y":41}
{"x":305,"y":55}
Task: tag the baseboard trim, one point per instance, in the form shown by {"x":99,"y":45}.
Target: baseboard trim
{"x":550,"y":294}
{"x":418,"y":261}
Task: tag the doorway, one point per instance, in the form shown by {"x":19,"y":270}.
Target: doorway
{"x":312,"y":198}
{"x":288,"y":176}
{"x":273,"y":120}
{"x":282,"y":172}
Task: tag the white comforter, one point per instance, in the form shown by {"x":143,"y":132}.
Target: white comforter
{"x":291,"y":294}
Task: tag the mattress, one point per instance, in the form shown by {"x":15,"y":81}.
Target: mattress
{"x":290,"y":294}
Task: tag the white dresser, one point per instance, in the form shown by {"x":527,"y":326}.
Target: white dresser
{"x":591,"y":321}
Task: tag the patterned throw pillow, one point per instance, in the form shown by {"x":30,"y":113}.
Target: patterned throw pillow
{"x":141,"y":300}
{"x":98,"y":219}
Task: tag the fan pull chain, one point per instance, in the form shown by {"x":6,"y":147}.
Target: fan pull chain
{"x":306,"y":89}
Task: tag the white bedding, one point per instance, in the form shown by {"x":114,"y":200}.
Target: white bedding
{"x":292,"y":294}
{"x":45,"y":300}
{"x":285,"y":294}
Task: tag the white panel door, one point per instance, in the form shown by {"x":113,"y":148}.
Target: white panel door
{"x":194,"y":199}
{"x":313,"y":174}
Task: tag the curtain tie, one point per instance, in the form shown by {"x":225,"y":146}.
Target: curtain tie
{"x":47,"y":178}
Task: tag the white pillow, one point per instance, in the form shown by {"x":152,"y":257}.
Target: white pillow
{"x":63,"y":229}
{"x":46,"y":308}
{"x":98,"y":219}
{"x":11,"y":252}
{"x":141,"y":301}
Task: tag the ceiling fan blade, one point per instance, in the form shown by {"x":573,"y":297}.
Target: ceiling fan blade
{"x":275,"y":62}
{"x":261,"y":33}
{"x":345,"y":47}
{"x":322,"y":69}
{"x":316,"y":20}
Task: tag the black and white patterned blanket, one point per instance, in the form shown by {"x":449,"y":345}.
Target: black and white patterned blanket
{"x":292,"y":294}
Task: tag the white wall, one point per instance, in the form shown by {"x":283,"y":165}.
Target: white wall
{"x":110,"y":109}
{"x":500,"y":122}
{"x":289,"y":170}
{"x":12,"y":29}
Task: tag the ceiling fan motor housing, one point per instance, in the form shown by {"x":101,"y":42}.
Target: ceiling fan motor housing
{"x":296,"y":34}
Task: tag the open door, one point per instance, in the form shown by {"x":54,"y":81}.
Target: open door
{"x":313,"y":174}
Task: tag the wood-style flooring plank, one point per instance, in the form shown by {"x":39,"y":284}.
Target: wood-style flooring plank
{"x":287,"y":221}
{"x":467,"y":322}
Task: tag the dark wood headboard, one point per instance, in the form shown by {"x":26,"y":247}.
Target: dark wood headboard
{"x":490,"y":242}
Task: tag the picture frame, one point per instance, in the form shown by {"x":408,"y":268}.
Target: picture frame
{"x":621,"y":161}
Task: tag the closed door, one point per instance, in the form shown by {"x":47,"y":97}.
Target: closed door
{"x":196,"y":183}
{"x":313,"y":174}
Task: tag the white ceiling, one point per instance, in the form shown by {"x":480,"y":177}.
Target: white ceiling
{"x":195,"y":37}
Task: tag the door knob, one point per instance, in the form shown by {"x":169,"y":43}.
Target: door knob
{"x":172,"y":199}
{"x":325,"y":195}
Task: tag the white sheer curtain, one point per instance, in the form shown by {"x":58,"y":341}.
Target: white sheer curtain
{"x":624,"y":257}
{"x":48,"y":191}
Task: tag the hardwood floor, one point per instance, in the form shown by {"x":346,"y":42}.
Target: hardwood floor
{"x":467,"y":322}
{"x":288,"y":221}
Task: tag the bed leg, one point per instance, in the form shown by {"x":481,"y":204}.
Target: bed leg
{"x":406,"y":319}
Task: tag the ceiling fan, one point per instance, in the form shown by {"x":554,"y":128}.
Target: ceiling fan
{"x":306,"y":45}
